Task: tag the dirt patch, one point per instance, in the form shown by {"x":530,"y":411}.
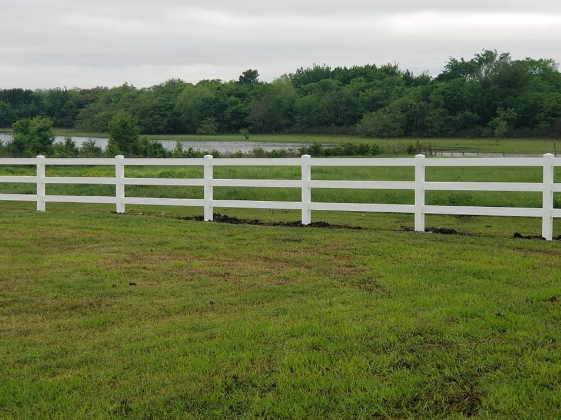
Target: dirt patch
{"x":220,"y":218}
{"x":441,"y":231}
{"x":518,"y":235}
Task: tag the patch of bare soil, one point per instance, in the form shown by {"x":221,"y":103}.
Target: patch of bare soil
{"x":220,"y":218}
{"x":441,"y":231}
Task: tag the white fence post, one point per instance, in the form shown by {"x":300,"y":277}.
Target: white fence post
{"x":40,"y":183}
{"x":306,"y":190}
{"x":208,"y":192}
{"x":119,"y":185}
{"x":547,"y":202}
{"x":419,"y":193}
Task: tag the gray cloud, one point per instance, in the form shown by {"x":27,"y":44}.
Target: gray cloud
{"x":85,"y":43}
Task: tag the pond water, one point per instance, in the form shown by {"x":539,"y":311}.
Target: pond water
{"x":207,"y":145}
{"x":228,"y":147}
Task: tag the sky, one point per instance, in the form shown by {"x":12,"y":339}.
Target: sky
{"x":86,"y":43}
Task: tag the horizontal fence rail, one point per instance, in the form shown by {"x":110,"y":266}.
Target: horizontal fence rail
{"x":547,"y":187}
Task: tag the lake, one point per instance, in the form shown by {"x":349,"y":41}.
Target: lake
{"x":225,"y":147}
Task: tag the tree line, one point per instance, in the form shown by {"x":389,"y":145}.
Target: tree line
{"x":488,"y":95}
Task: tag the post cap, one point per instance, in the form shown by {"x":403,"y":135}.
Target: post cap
{"x":305,"y":156}
{"x":420,"y":156}
{"x":208,"y":156}
{"x":41,"y":156}
{"x":549,"y":155}
{"x":119,"y":157}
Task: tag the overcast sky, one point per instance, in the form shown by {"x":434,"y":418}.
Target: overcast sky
{"x":84,"y":43}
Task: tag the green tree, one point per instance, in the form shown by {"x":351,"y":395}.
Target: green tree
{"x":382,"y":123}
{"x":6,"y":117}
{"x":123,"y":135}
{"x":208,"y":126}
{"x":503,"y":121}
{"x":273,"y":106}
{"x":32,"y":137}
{"x":193,"y":105}
{"x":249,"y":77}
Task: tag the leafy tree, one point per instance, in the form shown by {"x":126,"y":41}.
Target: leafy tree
{"x":382,"y":123}
{"x":249,"y":77}
{"x":273,"y":106}
{"x":438,"y":123}
{"x":194,"y":104}
{"x":123,"y":132}
{"x":208,"y":126}
{"x":62,"y":106}
{"x":6,"y":117}
{"x":503,"y":121}
{"x":32,"y":137}
{"x":236,"y":114}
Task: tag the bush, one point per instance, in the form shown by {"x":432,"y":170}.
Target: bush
{"x":152,"y":148}
{"x":66,"y":149}
{"x":90,"y":149}
{"x":245,"y":132}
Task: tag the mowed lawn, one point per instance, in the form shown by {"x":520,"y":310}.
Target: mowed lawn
{"x":148,"y":316}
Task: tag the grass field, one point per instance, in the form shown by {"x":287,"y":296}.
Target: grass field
{"x":148,"y":316}
{"x":531,"y":146}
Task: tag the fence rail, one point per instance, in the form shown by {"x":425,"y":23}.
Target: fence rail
{"x":547,"y":187}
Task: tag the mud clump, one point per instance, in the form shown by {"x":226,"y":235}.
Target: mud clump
{"x":441,"y":231}
{"x":518,"y":235}
{"x":220,"y":218}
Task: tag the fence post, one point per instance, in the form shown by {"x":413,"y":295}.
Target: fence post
{"x":208,"y":192}
{"x":547,"y":201}
{"x":119,"y":185}
{"x":419,"y":193}
{"x":306,"y":190}
{"x":40,"y":183}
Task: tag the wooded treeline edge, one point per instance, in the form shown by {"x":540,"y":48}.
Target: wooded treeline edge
{"x":488,"y":95}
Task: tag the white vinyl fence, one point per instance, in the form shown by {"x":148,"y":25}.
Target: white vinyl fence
{"x":547,"y":187}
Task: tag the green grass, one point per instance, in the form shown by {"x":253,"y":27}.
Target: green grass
{"x":146,"y":316}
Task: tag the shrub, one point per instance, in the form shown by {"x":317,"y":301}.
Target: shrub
{"x":90,"y":149}
{"x":245,"y":132}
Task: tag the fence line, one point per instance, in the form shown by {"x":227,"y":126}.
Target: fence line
{"x":548,"y":187}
